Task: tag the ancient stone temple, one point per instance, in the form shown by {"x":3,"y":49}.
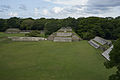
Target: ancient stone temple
{"x":64,"y":35}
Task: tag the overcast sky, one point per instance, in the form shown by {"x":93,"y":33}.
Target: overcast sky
{"x":59,"y":8}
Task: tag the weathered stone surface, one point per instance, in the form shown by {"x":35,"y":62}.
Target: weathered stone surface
{"x":100,"y":40}
{"x":92,"y":43}
{"x":75,"y":37}
{"x":65,"y":29}
{"x":107,"y":52}
{"x":63,"y":34}
{"x":51,"y":37}
{"x":27,"y":38}
{"x":103,"y":45}
{"x":13,"y":30}
{"x":62,"y":39}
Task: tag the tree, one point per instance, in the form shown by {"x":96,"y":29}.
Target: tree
{"x":114,"y":61}
{"x":108,"y":28}
{"x":39,"y":24}
{"x":87,"y":35}
{"x":3,"y":24}
{"x":51,"y":26}
{"x":35,"y":34}
{"x":27,"y":24}
{"x":13,"y":22}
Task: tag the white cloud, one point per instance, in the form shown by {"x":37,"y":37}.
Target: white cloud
{"x":23,"y":7}
{"x":45,"y":12}
{"x":47,"y":0}
{"x":57,"y":9}
{"x":84,"y":8}
{"x":68,"y":2}
{"x":69,"y":8}
{"x":13,"y":14}
{"x":36,"y":11}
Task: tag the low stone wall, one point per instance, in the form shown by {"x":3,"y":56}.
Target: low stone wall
{"x":62,"y":39}
{"x":75,"y":37}
{"x":107,"y":52}
{"x":27,"y":38}
{"x":51,"y":37}
{"x":63,"y":34}
{"x":101,"y":40}
{"x":65,"y":30}
{"x":92,"y":43}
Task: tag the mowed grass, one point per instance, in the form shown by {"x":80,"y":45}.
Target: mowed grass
{"x":2,"y":34}
{"x":47,"y":60}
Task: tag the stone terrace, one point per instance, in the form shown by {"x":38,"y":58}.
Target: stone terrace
{"x":64,"y":35}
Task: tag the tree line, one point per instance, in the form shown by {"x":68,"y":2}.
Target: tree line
{"x":86,"y":28}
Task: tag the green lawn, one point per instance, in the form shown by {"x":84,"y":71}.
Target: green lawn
{"x":2,"y":34}
{"x":47,"y":60}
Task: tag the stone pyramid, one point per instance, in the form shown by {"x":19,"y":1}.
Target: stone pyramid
{"x":64,"y":35}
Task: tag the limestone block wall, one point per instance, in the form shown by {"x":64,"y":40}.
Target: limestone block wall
{"x":62,"y":39}
{"x":63,"y":34}
{"x":27,"y":38}
{"x":75,"y":38}
{"x":100,"y":40}
{"x":65,"y":29}
{"x":107,"y":52}
{"x":51,"y":37}
{"x":103,"y":45}
{"x":13,"y":30}
{"x":92,"y":43}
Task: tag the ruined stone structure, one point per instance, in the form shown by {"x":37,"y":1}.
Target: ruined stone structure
{"x":64,"y":35}
{"x":102,"y":44}
{"x":102,"y":41}
{"x":51,"y":37}
{"x":62,"y":39}
{"x":107,"y":52}
{"x":13,"y":30}
{"x":92,"y":43}
{"x":27,"y":38}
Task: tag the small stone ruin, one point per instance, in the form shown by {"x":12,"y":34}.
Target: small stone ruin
{"x":102,"y":41}
{"x":27,"y":38}
{"x":13,"y":30}
{"x":64,"y":35}
{"x":95,"y":45}
{"x":102,"y":44}
{"x":97,"y":42}
{"x":107,"y":52}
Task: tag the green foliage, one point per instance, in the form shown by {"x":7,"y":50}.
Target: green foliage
{"x":86,"y":28}
{"x":114,"y":61}
{"x":27,"y":24}
{"x":39,"y":24}
{"x":35,"y":34}
{"x":51,"y":26}
{"x":3,"y":24}
{"x":13,"y":22}
{"x":87,"y":35}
